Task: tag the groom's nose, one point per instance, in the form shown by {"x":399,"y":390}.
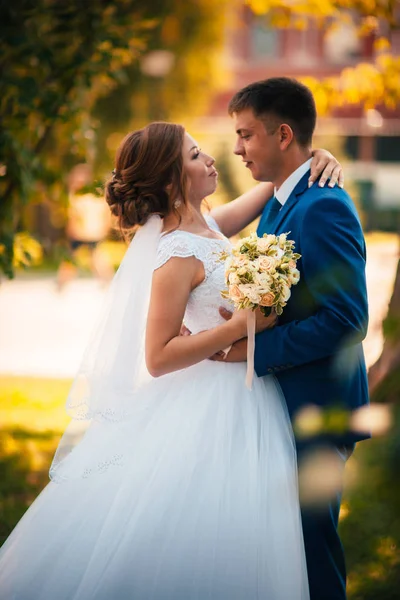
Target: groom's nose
{"x":239,"y":148}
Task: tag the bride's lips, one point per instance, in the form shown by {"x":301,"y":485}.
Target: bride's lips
{"x":213,"y":173}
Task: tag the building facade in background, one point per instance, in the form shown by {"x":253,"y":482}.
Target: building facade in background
{"x":370,"y":138}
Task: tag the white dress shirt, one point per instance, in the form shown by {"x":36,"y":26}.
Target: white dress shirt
{"x":287,"y":187}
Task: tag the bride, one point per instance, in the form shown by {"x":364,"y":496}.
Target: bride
{"x":174,"y":481}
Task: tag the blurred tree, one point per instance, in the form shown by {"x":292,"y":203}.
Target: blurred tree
{"x":389,"y":361}
{"x":174,"y":80}
{"x":58,"y":59}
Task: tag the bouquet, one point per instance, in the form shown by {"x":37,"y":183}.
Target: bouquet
{"x":259,"y":273}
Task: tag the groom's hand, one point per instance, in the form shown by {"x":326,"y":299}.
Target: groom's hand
{"x":184,"y":330}
{"x":262,"y":322}
{"x":237,"y":353}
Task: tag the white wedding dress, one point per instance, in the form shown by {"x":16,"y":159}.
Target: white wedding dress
{"x":193,"y":495}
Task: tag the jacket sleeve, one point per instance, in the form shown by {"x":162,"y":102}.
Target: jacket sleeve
{"x":333,"y":266}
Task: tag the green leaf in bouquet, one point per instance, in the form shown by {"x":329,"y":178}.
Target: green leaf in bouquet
{"x":247,"y":278}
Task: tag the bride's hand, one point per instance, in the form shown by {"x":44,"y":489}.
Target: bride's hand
{"x":240,"y":318}
{"x":326,"y":165}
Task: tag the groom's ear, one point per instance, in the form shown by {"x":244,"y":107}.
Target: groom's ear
{"x":286,"y":136}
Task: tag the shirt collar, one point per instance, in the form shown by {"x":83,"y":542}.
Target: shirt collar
{"x":287,"y":187}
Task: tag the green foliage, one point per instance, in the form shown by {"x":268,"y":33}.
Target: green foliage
{"x":371,"y":530}
{"x":57,"y":58}
{"x":60,"y":63}
{"x":190,"y":35}
{"x":32,"y":416}
{"x":25,"y":456}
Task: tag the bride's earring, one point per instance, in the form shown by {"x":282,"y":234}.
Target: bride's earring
{"x":177,"y":203}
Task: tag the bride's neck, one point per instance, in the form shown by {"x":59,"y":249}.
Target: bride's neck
{"x":191,"y":218}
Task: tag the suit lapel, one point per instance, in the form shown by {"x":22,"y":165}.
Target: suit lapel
{"x":294,"y":197}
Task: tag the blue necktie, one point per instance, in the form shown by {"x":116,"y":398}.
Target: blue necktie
{"x":274,"y":206}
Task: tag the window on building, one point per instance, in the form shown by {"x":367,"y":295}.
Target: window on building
{"x":352,"y":146}
{"x":264,"y":40}
{"x":342,"y":44}
{"x":388,"y":149}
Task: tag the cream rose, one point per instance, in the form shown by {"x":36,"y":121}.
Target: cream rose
{"x":282,"y":240}
{"x":241,"y":261}
{"x":263,"y":245}
{"x":250,"y":292}
{"x":285,"y":293}
{"x":266,"y":263}
{"x":263,"y":280}
{"x":233,"y":278}
{"x":294,"y":276}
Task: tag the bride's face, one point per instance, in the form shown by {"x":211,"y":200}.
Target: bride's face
{"x":199,"y":169}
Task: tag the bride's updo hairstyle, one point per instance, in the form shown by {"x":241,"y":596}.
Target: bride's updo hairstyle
{"x":148,"y":174}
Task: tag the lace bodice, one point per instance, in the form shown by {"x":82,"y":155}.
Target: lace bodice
{"x":204,"y":301}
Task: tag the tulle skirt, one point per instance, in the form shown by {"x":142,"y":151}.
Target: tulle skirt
{"x":193,"y":496}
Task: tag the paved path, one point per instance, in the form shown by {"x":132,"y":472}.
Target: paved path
{"x":43,"y":332}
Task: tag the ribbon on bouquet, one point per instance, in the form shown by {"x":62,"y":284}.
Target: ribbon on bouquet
{"x":251,"y":332}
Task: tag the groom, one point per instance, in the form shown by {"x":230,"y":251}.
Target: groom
{"x":315,"y":350}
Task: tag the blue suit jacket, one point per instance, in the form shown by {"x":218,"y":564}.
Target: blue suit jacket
{"x":315,"y":351}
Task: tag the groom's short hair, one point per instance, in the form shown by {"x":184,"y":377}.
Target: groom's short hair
{"x":279,"y":99}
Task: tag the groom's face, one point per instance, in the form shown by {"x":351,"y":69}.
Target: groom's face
{"x":258,"y":145}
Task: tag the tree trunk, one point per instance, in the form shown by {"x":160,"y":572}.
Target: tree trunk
{"x":389,"y":360}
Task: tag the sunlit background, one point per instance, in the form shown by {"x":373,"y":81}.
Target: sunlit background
{"x":74,"y":81}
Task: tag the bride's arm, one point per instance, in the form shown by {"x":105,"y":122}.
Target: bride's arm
{"x":236,"y":215}
{"x":166,"y":349}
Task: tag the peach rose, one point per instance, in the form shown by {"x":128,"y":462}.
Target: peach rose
{"x":267,"y":299}
{"x":235,"y":293}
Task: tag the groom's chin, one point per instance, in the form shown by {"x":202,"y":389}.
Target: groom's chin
{"x":255,"y":173}
{"x":257,"y":176}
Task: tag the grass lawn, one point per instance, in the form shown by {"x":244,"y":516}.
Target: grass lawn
{"x":32,"y":416}
{"x":33,"y":403}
